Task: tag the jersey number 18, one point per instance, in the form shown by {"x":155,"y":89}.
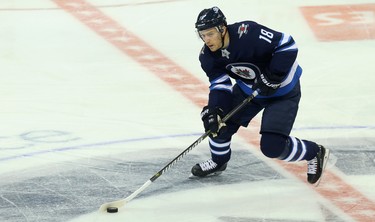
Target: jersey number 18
{"x":265,"y":35}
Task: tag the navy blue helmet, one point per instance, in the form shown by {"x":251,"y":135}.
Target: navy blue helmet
{"x":209,"y":18}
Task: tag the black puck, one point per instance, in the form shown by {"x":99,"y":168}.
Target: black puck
{"x":112,"y":209}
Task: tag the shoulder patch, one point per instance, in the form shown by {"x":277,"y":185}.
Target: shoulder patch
{"x":202,"y":50}
{"x":242,"y":29}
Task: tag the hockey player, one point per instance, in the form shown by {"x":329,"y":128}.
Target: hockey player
{"x":238,"y":59}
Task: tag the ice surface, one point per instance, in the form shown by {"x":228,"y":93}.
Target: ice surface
{"x":83,"y":123}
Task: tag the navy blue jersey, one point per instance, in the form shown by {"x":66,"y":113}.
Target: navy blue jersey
{"x":252,"y":49}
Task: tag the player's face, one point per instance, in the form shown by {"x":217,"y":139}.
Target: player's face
{"x":212,"y":38}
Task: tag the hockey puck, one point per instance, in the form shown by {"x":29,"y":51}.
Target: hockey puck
{"x":112,"y":210}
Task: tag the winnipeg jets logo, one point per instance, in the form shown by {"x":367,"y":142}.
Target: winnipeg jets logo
{"x":225,"y":53}
{"x":242,"y":29}
{"x":244,"y":70}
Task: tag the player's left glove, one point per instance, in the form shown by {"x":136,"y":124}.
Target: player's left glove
{"x":211,"y":118}
{"x":267,"y":83}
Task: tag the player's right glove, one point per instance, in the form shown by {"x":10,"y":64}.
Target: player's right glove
{"x":211,"y":118}
{"x":267,"y":83}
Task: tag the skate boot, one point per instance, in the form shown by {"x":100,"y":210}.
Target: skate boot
{"x":315,"y":167}
{"x":208,"y":167}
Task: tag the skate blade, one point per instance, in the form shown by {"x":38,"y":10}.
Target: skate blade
{"x":325,"y":161}
{"x":191,"y":176}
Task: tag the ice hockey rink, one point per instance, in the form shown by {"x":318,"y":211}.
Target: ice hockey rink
{"x":99,"y":95}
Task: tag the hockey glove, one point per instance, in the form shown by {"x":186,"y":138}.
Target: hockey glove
{"x":267,"y":85}
{"x":211,"y":118}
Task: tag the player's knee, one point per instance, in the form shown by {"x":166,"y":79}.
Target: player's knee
{"x":273,"y":145}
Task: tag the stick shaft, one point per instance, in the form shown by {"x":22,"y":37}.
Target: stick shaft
{"x":122,"y":202}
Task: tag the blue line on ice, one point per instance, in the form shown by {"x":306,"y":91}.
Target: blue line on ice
{"x":94,"y":145}
{"x":105,"y":143}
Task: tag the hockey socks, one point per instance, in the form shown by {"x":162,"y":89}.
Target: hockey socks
{"x":297,"y":150}
{"x":220,"y":151}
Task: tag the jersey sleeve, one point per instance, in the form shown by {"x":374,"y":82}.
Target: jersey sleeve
{"x":220,"y":84}
{"x":283,"y":50}
{"x":276,"y":54}
{"x":284,"y":55}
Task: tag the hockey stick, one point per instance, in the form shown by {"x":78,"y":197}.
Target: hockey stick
{"x":122,"y":202}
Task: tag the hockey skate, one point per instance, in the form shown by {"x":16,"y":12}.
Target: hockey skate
{"x":316,"y":166}
{"x":207,"y":168}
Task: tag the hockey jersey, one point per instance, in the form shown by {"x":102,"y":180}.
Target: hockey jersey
{"x":252,"y":49}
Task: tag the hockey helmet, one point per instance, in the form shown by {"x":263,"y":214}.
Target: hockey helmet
{"x":209,"y":18}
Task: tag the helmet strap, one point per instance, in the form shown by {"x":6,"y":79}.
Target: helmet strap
{"x":222,"y":32}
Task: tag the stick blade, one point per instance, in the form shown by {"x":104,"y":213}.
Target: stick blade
{"x":122,"y":202}
{"x":117,"y":203}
